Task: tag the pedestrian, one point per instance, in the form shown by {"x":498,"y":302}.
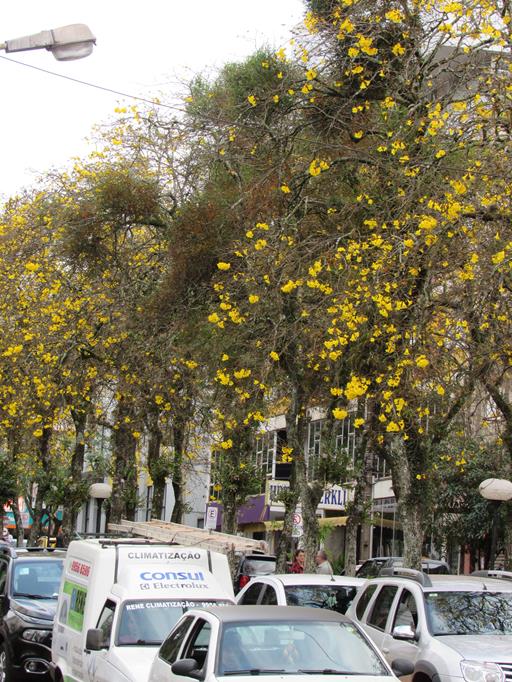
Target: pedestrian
{"x":59,"y":539}
{"x":6,"y":536}
{"x":298,"y":561}
{"x":322,"y":564}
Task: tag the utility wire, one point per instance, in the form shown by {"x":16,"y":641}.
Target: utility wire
{"x":91,"y":85}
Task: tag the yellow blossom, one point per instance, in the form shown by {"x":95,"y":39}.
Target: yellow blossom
{"x":339,"y":413}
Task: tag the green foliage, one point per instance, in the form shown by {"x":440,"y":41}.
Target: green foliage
{"x":461,"y":514}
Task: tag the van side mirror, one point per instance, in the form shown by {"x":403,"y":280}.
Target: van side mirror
{"x":187,"y":667}
{"x":95,"y":640}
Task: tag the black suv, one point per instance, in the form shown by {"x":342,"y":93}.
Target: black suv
{"x":29,"y":586}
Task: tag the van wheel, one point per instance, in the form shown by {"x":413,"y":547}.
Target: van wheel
{"x":5,"y":666}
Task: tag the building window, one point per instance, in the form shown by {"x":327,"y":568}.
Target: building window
{"x":381,"y":468}
{"x":314,"y":447}
{"x":266,"y":452}
{"x":346,"y":436}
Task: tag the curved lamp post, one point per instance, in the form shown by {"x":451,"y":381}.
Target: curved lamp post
{"x":66,"y":43}
{"x":100,"y":492}
{"x":497,"y":490}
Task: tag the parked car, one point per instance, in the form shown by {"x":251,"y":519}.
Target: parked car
{"x":238,"y":641}
{"x":372,"y":567}
{"x":29,"y":585}
{"x":251,"y":565}
{"x":301,"y":589}
{"x":451,"y":627}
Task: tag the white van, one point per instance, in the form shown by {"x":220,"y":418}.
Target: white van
{"x":119,"y":599}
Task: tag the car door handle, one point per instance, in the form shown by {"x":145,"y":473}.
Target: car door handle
{"x":385,"y":650}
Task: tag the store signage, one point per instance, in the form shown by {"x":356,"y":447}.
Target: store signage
{"x":334,"y":497}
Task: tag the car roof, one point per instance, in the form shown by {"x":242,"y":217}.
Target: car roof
{"x":425,"y":560}
{"x":312,"y":579}
{"x":255,"y":614}
{"x":452,"y":583}
{"x":32,"y":552}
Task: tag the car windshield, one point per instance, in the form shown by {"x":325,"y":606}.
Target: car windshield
{"x":148,"y":621}
{"x":469,"y":613}
{"x":37,"y":579}
{"x":300,"y":647}
{"x":334,"y":597}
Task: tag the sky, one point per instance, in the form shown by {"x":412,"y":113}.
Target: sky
{"x":144,"y":48}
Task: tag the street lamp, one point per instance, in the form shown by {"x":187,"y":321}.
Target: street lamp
{"x":497,"y":490}
{"x":99,"y":492}
{"x":66,"y":43}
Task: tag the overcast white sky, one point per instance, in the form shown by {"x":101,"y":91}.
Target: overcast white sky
{"x":144,"y":47}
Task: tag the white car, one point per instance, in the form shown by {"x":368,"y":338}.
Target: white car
{"x":306,"y":645}
{"x":452,"y":628}
{"x":301,"y":589}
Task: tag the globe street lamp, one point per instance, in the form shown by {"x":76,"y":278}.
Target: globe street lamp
{"x":66,"y":43}
{"x":99,"y":492}
{"x":497,"y":490}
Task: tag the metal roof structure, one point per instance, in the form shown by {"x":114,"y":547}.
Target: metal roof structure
{"x":177,"y":533}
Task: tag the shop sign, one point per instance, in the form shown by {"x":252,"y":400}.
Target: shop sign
{"x":334,"y":497}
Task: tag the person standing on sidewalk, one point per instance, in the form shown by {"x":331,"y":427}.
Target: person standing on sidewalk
{"x":298,"y":561}
{"x":322,"y":563}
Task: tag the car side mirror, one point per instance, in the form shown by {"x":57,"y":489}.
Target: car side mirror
{"x":404,"y":632}
{"x":401,"y":666}
{"x":187,"y":667}
{"x":95,"y":640}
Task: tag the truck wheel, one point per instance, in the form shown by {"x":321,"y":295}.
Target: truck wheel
{"x":5,"y":666}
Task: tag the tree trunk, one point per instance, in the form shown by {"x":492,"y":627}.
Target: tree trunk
{"x":311,"y":494}
{"x":178,"y":432}
{"x":77,"y":495}
{"x":290,"y":499}
{"x":410,"y":493}
{"x":508,"y":538}
{"x":229,"y":518}
{"x":363,"y":457}
{"x":123,"y":501}
{"x":18,"y":521}
{"x":37,"y":513}
{"x":157,"y":473}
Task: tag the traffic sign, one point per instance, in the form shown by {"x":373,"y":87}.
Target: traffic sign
{"x":298,"y":525}
{"x":211,"y":518}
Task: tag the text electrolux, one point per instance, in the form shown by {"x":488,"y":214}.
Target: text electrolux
{"x":164,"y":555}
{"x":171,"y":575}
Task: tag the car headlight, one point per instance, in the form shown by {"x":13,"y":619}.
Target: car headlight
{"x":41,"y":636}
{"x":481,"y":671}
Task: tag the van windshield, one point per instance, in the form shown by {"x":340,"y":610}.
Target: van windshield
{"x":146,"y":622}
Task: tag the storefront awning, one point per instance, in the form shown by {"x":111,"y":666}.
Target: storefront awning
{"x":322,"y":522}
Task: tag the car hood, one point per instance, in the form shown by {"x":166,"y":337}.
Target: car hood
{"x":311,"y":678}
{"x":481,"y":647}
{"x":35,"y":608}
{"x":134,"y":661}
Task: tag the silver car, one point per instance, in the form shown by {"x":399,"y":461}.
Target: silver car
{"x":301,"y":589}
{"x":453,"y":628}
{"x":277,"y":642}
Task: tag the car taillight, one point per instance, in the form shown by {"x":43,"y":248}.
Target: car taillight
{"x":243,"y":580}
